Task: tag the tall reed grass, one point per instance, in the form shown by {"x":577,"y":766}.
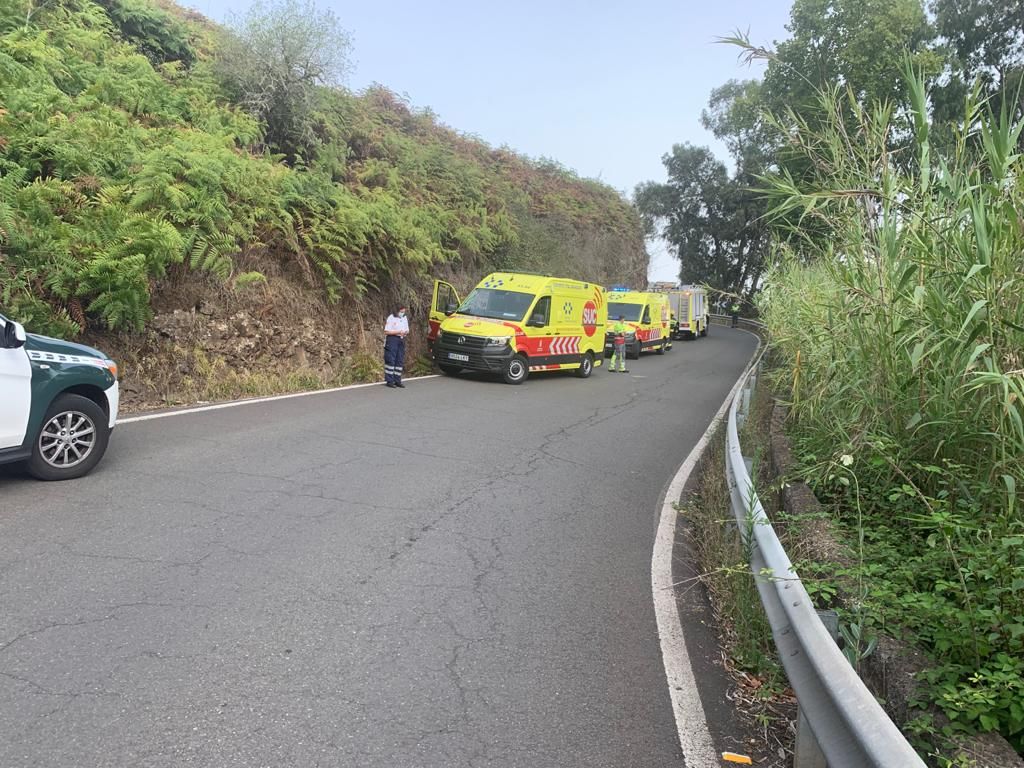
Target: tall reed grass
{"x":897,"y":308}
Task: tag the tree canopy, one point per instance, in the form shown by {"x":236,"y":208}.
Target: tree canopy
{"x":858,"y":49}
{"x":709,"y":218}
{"x":273,"y":60}
{"x":854,"y":44}
{"x":984,"y":43}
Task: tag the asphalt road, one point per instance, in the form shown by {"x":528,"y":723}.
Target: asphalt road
{"x":454,"y":574}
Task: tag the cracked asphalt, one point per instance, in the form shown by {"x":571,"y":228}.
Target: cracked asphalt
{"x":454,"y":574}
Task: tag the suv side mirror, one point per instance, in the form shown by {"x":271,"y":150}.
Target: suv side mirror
{"x":450,"y":307}
{"x":14,"y":335}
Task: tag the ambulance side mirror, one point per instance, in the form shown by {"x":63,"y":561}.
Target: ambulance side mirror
{"x":537,"y":321}
{"x":450,"y":307}
{"x":14,"y":335}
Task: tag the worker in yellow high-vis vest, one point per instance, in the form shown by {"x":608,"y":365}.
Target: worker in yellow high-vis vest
{"x":619,"y":331}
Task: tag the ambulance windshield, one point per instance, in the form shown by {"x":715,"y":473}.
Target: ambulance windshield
{"x":496,"y":303}
{"x":631,"y":312}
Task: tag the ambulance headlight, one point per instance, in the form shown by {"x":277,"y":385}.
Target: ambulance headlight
{"x":497,"y":341}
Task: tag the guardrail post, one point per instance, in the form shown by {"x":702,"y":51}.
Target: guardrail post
{"x":741,"y":417}
{"x":746,"y":395}
{"x":806,"y":752}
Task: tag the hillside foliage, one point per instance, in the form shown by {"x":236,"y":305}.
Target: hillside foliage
{"x":125,"y":163}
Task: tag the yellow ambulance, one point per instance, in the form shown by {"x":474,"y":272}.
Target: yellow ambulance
{"x":648,"y":317}
{"x":515,"y":324}
{"x":689,"y":307}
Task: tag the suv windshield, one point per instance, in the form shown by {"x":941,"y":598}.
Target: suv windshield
{"x":497,"y":304}
{"x":630,"y":312}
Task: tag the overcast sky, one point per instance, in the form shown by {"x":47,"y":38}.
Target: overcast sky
{"x":603,"y":87}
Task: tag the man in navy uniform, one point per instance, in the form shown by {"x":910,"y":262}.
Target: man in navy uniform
{"x":396,"y":329}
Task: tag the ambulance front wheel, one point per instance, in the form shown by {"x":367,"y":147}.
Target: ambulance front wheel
{"x":449,"y":370}
{"x":516,"y":370}
{"x":586,"y":366}
{"x":633,"y":352}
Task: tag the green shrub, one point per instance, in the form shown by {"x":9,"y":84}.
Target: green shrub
{"x":156,"y":33}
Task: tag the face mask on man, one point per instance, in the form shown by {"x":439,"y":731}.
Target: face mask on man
{"x":401,"y":313}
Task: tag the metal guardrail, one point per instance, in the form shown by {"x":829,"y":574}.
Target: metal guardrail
{"x":840,"y":724}
{"x":744,"y":322}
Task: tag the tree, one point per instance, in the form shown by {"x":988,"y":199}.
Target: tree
{"x":736,"y":115}
{"x":274,"y":60}
{"x":986,"y":45}
{"x":986,"y":36}
{"x":856,"y":43}
{"x":711,"y":221}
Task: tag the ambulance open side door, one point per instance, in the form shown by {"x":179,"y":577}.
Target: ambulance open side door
{"x":443,"y":303}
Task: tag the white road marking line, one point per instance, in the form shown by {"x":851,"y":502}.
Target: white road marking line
{"x":691,"y":721}
{"x":255,"y":400}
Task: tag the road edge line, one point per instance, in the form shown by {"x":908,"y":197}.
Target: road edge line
{"x":255,"y":400}
{"x":687,"y":705}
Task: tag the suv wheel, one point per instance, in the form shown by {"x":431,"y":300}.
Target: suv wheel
{"x":71,"y":441}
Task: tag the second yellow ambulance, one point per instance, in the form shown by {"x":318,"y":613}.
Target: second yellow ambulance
{"x":646,"y":314}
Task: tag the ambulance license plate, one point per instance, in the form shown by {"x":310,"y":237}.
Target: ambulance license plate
{"x":457,"y":356}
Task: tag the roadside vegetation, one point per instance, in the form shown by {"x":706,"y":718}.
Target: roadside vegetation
{"x":873,"y":219}
{"x":899,"y":324}
{"x":142,"y":146}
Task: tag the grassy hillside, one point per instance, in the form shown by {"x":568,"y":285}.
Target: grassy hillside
{"x":131,"y":186}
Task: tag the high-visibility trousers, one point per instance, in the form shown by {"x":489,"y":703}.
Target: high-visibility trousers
{"x":394,"y":359}
{"x":618,"y":353}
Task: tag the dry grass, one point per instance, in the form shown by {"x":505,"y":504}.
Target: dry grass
{"x":761,"y":693}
